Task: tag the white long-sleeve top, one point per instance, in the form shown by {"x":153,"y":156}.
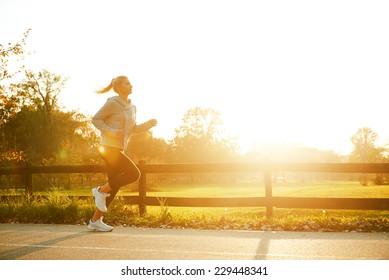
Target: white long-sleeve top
{"x":117,"y":115}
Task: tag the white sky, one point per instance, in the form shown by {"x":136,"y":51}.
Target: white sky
{"x":309,"y":72}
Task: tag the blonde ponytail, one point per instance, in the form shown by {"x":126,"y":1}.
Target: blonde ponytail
{"x":115,"y":82}
{"x":107,"y":88}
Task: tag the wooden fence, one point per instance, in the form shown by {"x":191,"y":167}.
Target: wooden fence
{"x":266,"y":200}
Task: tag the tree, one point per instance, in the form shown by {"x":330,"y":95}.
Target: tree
{"x":13,"y":53}
{"x":145,"y":147}
{"x":32,"y":125}
{"x":30,"y":132}
{"x":38,"y":128}
{"x":202,"y":123}
{"x":40,"y":90}
{"x":365,"y":151}
{"x":201,"y":138}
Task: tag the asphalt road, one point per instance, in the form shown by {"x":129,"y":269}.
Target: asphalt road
{"x":72,"y":242}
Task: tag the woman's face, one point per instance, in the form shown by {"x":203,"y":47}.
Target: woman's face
{"x":125,"y":87}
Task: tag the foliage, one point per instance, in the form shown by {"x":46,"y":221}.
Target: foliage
{"x":145,"y":147}
{"x":39,"y":129}
{"x":8,"y":53}
{"x":51,"y":209}
{"x":365,"y":151}
{"x":40,"y":91}
{"x":33,"y":126}
{"x":13,"y":53}
{"x":9,"y":157}
{"x":201,"y":138}
{"x":64,"y":210}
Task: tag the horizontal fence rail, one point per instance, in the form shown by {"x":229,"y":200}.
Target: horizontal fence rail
{"x":209,"y":167}
{"x":267,"y":169}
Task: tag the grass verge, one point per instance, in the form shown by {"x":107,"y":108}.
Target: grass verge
{"x":59,"y":209}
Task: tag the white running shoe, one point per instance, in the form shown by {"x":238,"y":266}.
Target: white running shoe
{"x":100,"y":199}
{"x":99,"y":225}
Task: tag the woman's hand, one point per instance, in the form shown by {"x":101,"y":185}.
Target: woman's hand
{"x":153,"y":122}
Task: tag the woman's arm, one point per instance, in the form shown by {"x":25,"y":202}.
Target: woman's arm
{"x":99,"y":118}
{"x":144,"y":126}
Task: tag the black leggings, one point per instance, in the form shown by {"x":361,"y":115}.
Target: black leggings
{"x":121,"y":170}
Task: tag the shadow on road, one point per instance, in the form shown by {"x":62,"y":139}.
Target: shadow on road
{"x":19,"y":252}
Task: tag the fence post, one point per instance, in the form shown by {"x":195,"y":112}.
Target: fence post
{"x":142,"y":189}
{"x":268,"y":192}
{"x":28,"y":178}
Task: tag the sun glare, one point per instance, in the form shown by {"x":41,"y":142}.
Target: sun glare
{"x":285,"y":73}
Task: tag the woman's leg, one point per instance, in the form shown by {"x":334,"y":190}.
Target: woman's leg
{"x":121,"y":171}
{"x":125,"y":173}
{"x":97,"y":215}
{"x":106,"y":188}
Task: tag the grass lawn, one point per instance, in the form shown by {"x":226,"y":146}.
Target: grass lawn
{"x":341,"y":189}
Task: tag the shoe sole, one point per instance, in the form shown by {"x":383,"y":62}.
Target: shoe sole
{"x":99,"y":230}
